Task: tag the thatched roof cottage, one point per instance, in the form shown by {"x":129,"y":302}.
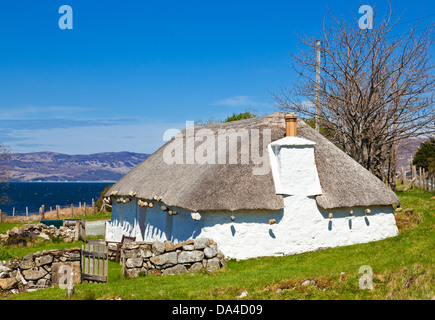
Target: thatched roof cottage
{"x":264,"y":186}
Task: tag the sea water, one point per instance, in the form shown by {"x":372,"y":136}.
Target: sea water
{"x":35,"y":194}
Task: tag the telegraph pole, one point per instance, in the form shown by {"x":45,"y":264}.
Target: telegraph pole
{"x":317,"y":83}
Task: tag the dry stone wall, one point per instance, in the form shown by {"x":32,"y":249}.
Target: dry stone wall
{"x":30,"y":232}
{"x":39,"y":270}
{"x":166,"y":258}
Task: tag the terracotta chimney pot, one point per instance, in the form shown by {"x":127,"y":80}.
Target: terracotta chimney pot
{"x":291,"y":125}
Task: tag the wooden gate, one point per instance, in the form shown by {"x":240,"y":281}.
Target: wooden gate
{"x":95,"y":265}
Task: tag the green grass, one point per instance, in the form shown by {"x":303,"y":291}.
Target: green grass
{"x":403,"y":268}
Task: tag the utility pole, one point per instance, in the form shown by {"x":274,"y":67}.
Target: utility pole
{"x":317,"y":83}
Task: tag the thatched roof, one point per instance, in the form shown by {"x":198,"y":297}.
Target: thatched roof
{"x":231,"y":187}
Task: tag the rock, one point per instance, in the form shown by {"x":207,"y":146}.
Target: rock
{"x":188,"y":247}
{"x":211,"y":251}
{"x":169,"y":246}
{"x":131,"y":245}
{"x":132,"y":254}
{"x":8,"y":283}
{"x":190,"y":256}
{"x":166,"y":259}
{"x":243,"y":294}
{"x":5,"y":269}
{"x":74,"y":256}
{"x":196,"y":266}
{"x":200,"y":243}
{"x":134,"y":263}
{"x":158,"y":247}
{"x":43,"y":283}
{"x":27,"y":264}
{"x":178,"y":269}
{"x":34,"y":274}
{"x":43,"y":260}
{"x":44,"y":236}
{"x":132,"y":273}
{"x":155,"y":272}
{"x":213,"y":264}
{"x":308,"y":282}
{"x":145,"y":253}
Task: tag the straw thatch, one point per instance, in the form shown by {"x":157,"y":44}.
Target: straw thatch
{"x":231,"y":187}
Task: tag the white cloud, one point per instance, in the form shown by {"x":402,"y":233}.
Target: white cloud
{"x":240,"y":101}
{"x":44,"y":112}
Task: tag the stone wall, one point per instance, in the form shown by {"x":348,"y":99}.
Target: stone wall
{"x":31,"y":232}
{"x":39,"y":270}
{"x":165,"y":258}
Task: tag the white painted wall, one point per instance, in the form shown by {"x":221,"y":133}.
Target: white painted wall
{"x":293,"y":167}
{"x":300,"y":227}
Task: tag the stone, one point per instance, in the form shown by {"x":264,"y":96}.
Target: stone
{"x":201,"y":243}
{"x":46,"y":259}
{"x":178,"y":269}
{"x":145,"y":253}
{"x":74,"y":256}
{"x":131,"y":245}
{"x":155,"y":272}
{"x":57,"y":275}
{"x":158,"y":247}
{"x":44,"y":236}
{"x":166,"y":259}
{"x":132,"y":254}
{"x":43,"y":283}
{"x":27,"y":264}
{"x":34,"y":274}
{"x":8,"y":283}
{"x":190,"y":256}
{"x":4,"y":268}
{"x":308,"y":282}
{"x":210,"y":252}
{"x":134,"y":263}
{"x":196,"y":266}
{"x":188,"y":247}
{"x":213,"y":264}
{"x":243,"y":294}
{"x":169,"y":246}
{"x":132,"y":273}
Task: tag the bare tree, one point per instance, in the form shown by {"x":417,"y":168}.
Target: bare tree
{"x":377,"y":87}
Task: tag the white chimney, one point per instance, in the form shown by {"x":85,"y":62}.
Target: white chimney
{"x":293,"y":165}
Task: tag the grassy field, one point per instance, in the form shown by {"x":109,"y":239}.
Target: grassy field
{"x":403,"y":268}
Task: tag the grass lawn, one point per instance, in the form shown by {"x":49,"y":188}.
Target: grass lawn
{"x":403,"y":268}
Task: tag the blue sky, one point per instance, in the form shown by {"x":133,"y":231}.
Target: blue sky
{"x":129,"y":70}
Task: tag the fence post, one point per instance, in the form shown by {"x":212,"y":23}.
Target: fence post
{"x":85,"y":207}
{"x":27,"y":211}
{"x":72,"y":210}
{"x":0,"y":215}
{"x":13,"y":212}
{"x":57,"y":211}
{"x":43,"y":212}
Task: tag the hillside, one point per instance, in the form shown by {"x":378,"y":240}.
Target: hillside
{"x":51,"y":166}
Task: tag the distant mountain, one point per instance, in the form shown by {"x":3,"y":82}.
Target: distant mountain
{"x":406,"y":151}
{"x":51,"y":166}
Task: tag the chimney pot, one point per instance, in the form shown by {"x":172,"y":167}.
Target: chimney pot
{"x":291,"y":125}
